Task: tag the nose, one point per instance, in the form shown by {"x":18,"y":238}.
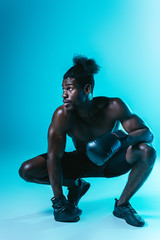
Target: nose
{"x":64,"y":95}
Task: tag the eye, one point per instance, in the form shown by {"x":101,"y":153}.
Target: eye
{"x":69,"y":88}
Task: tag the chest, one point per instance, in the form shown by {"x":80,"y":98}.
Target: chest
{"x":85,"y":131}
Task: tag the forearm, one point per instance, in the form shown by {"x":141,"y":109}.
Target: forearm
{"x":55,"y":174}
{"x":140,"y":135}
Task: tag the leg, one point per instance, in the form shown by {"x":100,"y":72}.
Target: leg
{"x":35,"y":170}
{"x":142,"y":158}
{"x":75,"y":166}
{"x":73,"y":163}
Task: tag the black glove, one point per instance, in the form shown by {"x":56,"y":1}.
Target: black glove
{"x":105,"y":146}
{"x":64,"y":211}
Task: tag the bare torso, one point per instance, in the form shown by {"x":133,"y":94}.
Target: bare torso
{"x":101,"y":121}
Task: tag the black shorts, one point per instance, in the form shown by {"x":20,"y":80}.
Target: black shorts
{"x":77,"y":165}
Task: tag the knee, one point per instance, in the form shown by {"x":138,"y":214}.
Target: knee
{"x":25,"y":171}
{"x":148,"y":154}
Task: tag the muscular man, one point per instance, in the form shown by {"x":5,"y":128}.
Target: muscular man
{"x":101,"y":149}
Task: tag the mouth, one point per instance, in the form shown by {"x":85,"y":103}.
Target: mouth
{"x":66,"y":103}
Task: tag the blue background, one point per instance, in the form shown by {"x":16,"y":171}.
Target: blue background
{"x":37,"y":42}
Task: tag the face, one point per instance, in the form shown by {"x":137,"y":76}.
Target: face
{"x":73,"y":95}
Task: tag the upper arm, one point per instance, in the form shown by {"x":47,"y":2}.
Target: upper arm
{"x":133,"y":123}
{"x":130,"y":122}
{"x":57,"y":134}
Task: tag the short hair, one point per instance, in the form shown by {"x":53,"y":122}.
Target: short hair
{"x":83,"y":70}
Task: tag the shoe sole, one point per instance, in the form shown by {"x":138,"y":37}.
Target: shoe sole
{"x":76,"y":219}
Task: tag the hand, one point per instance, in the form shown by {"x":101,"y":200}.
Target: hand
{"x":105,"y":146}
{"x":64,"y":211}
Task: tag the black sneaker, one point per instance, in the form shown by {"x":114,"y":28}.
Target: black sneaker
{"x":128,"y":213}
{"x":75,"y":193}
{"x":64,"y":211}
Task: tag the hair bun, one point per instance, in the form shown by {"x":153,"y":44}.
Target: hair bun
{"x":87,"y":65}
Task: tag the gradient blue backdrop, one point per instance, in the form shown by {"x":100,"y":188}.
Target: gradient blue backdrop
{"x":37,"y":42}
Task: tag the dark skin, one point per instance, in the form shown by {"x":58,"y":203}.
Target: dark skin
{"x":84,"y":118}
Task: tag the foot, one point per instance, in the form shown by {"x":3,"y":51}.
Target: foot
{"x":128,"y":213}
{"x":64,"y":211}
{"x":75,"y":193}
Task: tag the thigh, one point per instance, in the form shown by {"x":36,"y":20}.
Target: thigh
{"x":37,"y":166}
{"x":69,"y":163}
{"x":77,"y":165}
{"x":72,"y":164}
{"x":117,"y":165}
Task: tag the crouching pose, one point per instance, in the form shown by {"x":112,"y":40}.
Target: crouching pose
{"x":101,"y":149}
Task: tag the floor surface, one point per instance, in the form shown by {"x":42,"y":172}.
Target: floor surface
{"x":26,"y":212}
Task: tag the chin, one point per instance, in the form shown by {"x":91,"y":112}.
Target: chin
{"x":68,"y":107}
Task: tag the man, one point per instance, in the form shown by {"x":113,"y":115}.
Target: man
{"x":101,"y":149}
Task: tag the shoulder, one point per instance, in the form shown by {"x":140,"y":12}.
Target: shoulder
{"x":59,"y":113}
{"x":116,"y":103}
{"x":101,"y":102}
{"x":62,"y":114}
{"x":60,"y":120}
{"x":111,"y":103}
{"x":119,"y":109}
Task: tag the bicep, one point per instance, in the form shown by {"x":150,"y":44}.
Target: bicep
{"x":57,"y":134}
{"x":56,"y":142}
{"x":133,"y":123}
{"x":130,"y":122}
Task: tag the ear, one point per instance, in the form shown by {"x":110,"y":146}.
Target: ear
{"x":87,"y":89}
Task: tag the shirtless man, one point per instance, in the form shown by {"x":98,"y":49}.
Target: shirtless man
{"x":101,"y":149}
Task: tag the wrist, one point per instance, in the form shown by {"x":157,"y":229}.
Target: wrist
{"x":59,"y":202}
{"x":57,"y":199}
{"x":123,"y":138}
{"x":129,"y":140}
{"x":132,"y":140}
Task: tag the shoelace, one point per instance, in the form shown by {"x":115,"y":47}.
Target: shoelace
{"x":129,"y":206}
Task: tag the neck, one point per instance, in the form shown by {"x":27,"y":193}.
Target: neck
{"x":85,"y":110}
